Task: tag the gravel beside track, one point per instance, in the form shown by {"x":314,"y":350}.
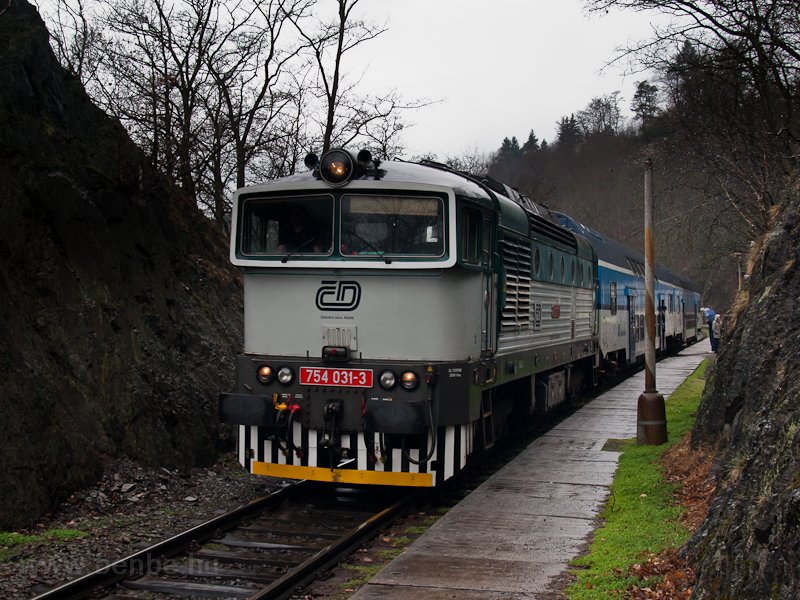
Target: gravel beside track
{"x":129,"y":508}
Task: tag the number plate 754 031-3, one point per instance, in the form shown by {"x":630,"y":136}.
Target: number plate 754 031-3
{"x":336,"y":377}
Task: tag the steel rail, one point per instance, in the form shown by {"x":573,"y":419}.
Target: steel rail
{"x":304,"y":573}
{"x":143,"y":560}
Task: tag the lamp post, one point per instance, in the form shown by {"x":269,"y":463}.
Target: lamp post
{"x":651,"y":414}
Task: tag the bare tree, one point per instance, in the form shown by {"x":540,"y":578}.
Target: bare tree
{"x":158,"y":79}
{"x":221,"y":93}
{"x":470,"y":161}
{"x":601,"y":115}
{"x":730,"y":69}
{"x":77,"y":37}
{"x":249,"y":74}
{"x":328,"y":42}
{"x":762,"y":34}
{"x":347,"y":115}
{"x":383,"y":136}
{"x":254,"y":96}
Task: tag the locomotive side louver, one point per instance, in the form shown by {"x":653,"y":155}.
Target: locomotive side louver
{"x":516,"y":314}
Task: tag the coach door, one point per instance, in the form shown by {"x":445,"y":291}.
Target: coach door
{"x":685,"y":319}
{"x":633,"y":322}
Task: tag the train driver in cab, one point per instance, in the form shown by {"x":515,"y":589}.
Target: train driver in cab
{"x":298,"y":232}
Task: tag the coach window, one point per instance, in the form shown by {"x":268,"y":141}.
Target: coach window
{"x":537,"y":261}
{"x":470,"y":236}
{"x":613,"y":297}
{"x":563,"y":272}
{"x":550,"y":264}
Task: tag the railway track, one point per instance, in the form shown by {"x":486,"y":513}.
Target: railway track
{"x":263,"y":550}
{"x":276,"y":544}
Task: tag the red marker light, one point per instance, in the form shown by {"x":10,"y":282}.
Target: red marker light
{"x":340,"y":353}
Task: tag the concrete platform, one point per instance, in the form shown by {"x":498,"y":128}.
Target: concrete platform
{"x":516,"y":533}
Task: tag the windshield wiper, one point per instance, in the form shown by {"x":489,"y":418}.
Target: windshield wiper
{"x":380,"y":253}
{"x":301,"y":247}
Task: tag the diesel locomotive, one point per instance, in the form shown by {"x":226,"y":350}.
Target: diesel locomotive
{"x":401,"y":317}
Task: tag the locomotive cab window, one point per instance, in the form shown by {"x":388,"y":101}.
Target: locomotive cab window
{"x":470,"y":236}
{"x":392,"y":226}
{"x":277,"y":226}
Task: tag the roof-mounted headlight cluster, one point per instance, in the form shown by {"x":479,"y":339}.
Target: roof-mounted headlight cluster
{"x":337,"y":166}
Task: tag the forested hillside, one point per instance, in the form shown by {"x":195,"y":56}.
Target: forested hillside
{"x":119,"y":312}
{"x":717,"y":118}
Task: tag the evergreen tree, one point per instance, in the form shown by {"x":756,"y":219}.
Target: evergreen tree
{"x":510,"y":148}
{"x":568,"y":134}
{"x":645,"y":102}
{"x":532,"y":145}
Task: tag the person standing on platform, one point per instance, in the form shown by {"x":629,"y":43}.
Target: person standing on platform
{"x":716,"y":330}
{"x":710,"y":313}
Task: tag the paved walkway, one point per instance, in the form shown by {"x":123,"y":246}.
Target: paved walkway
{"x":516,"y":533}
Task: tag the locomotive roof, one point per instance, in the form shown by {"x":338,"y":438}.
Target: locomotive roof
{"x":616,"y":253}
{"x":515,"y":211}
{"x":394,"y":171}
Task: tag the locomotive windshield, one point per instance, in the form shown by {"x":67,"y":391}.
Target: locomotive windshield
{"x":294,"y":226}
{"x":351,"y":227}
{"x":391,"y":226}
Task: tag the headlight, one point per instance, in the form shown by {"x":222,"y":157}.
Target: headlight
{"x":409,"y":380}
{"x":265,"y":374}
{"x":285,"y":375}
{"x":336,"y":167}
{"x":388,"y":380}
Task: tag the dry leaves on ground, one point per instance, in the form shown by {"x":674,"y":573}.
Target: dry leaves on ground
{"x":690,"y":470}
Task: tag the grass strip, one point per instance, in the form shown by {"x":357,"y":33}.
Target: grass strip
{"x":11,"y":542}
{"x":640,"y":517}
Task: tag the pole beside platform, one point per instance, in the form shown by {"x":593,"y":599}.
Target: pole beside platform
{"x":651,"y":414}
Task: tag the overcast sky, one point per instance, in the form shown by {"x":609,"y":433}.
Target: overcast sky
{"x":499,"y":67}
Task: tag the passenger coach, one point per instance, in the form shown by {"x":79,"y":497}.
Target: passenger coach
{"x":620,"y":301}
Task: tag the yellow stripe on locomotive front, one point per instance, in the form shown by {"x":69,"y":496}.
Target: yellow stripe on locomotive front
{"x":343,"y":475}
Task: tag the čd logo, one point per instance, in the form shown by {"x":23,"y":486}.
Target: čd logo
{"x":338,"y":295}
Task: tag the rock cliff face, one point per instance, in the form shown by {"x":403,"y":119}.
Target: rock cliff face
{"x":119,"y":313}
{"x":749,"y":546}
